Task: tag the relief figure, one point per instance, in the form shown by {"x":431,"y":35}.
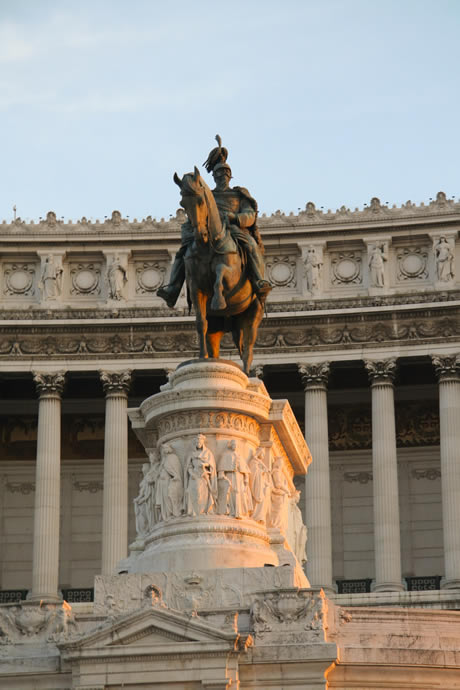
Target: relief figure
{"x":169,"y":486}
{"x":444,"y":260}
{"x":280,"y":494}
{"x":200,"y":479}
{"x":260,"y":483}
{"x":233,"y":481}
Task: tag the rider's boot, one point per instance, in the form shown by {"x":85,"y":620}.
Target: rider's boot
{"x":262,"y":288}
{"x":170,"y":293}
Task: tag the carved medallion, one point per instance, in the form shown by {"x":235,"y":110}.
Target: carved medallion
{"x":412,"y":263}
{"x":85,"y":279}
{"x":346,"y":268}
{"x":19,"y":279}
{"x":149,"y":276}
{"x":281,"y":271}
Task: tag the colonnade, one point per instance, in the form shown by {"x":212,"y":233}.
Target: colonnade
{"x":50,"y":386}
{"x":387,"y":546}
{"x":388,"y":576}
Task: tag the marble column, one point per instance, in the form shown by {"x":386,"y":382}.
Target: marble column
{"x":448,"y":373}
{"x":45,"y":569}
{"x":317,"y":482}
{"x":387,"y":540}
{"x":115,"y":497}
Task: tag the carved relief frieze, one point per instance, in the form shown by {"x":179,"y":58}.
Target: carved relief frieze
{"x":417,"y":424}
{"x":24,"y":488}
{"x":32,"y":623}
{"x":85,"y":278}
{"x":207,"y":419}
{"x":362,"y":477}
{"x":19,"y":279}
{"x":431,"y":473}
{"x":150,"y":276}
{"x":412,"y":263}
{"x":281,"y":271}
{"x":346,"y":267}
{"x":300,"y":615}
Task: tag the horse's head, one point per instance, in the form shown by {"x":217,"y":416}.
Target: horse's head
{"x":194,"y":201}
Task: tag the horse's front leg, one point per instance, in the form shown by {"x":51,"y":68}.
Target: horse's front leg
{"x":201,"y":322}
{"x":218,"y":302}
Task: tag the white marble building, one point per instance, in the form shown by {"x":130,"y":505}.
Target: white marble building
{"x":362,"y":335}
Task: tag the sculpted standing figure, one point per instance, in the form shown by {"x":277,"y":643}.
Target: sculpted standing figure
{"x":444,"y":260}
{"x":260,"y":484}
{"x":313,"y":266}
{"x":280,"y":494}
{"x":141,"y":503}
{"x":51,"y":278}
{"x":200,"y":480}
{"x":233,"y":477}
{"x":169,"y":487}
{"x":238,"y":210}
{"x":376,"y":266}
{"x":296,"y":530}
{"x":117,"y":278}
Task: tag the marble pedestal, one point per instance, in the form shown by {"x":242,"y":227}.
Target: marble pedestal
{"x":258,"y":524}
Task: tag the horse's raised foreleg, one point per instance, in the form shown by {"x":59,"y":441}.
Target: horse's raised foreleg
{"x":218,"y":302}
{"x":200,"y":302}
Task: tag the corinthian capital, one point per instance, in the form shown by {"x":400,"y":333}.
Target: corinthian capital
{"x":381,"y":370}
{"x":314,"y":374}
{"x":115,"y":381}
{"x":49,"y":383}
{"x":446,"y":367}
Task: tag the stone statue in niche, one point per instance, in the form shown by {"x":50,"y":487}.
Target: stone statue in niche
{"x":117,"y":278}
{"x":169,"y":485}
{"x":296,"y":530}
{"x":279,"y":494}
{"x":234,"y":495}
{"x":377,"y":258}
{"x":200,"y":479}
{"x":313,"y":264}
{"x":51,"y":278}
{"x":444,"y":257}
{"x":260,"y":483}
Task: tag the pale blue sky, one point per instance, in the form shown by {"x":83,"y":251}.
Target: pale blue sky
{"x":333,"y":101}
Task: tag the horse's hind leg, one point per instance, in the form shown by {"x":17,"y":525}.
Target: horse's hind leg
{"x":214,"y":343}
{"x":249,"y":324}
{"x":200,"y":302}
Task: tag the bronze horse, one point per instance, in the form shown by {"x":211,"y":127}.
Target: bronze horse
{"x":217,"y":281}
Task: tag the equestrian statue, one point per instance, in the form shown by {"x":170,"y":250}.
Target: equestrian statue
{"x":221,"y":259}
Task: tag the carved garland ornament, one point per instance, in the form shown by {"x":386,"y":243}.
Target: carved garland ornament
{"x":149,"y":276}
{"x":346,"y":268}
{"x":412,"y":263}
{"x":281,"y":271}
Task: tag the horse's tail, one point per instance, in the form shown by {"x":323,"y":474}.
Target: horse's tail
{"x":189,"y":299}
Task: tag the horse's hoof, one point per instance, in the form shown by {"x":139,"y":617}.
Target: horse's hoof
{"x":218,"y":303}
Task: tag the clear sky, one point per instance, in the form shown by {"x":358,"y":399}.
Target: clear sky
{"x":333,"y":101}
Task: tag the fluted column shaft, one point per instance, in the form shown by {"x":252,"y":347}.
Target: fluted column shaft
{"x":448,"y":371}
{"x":115,"y":498}
{"x":317,"y":481}
{"x":387,"y":540}
{"x":45,"y":569}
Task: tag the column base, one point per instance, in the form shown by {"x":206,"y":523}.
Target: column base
{"x":44,"y":598}
{"x":450,"y":584}
{"x":389,"y":587}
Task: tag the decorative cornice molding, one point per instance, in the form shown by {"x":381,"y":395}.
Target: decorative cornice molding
{"x":446,"y":367}
{"x":115,"y":381}
{"x":381,"y":371}
{"x":314,"y":375}
{"x":49,"y":383}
